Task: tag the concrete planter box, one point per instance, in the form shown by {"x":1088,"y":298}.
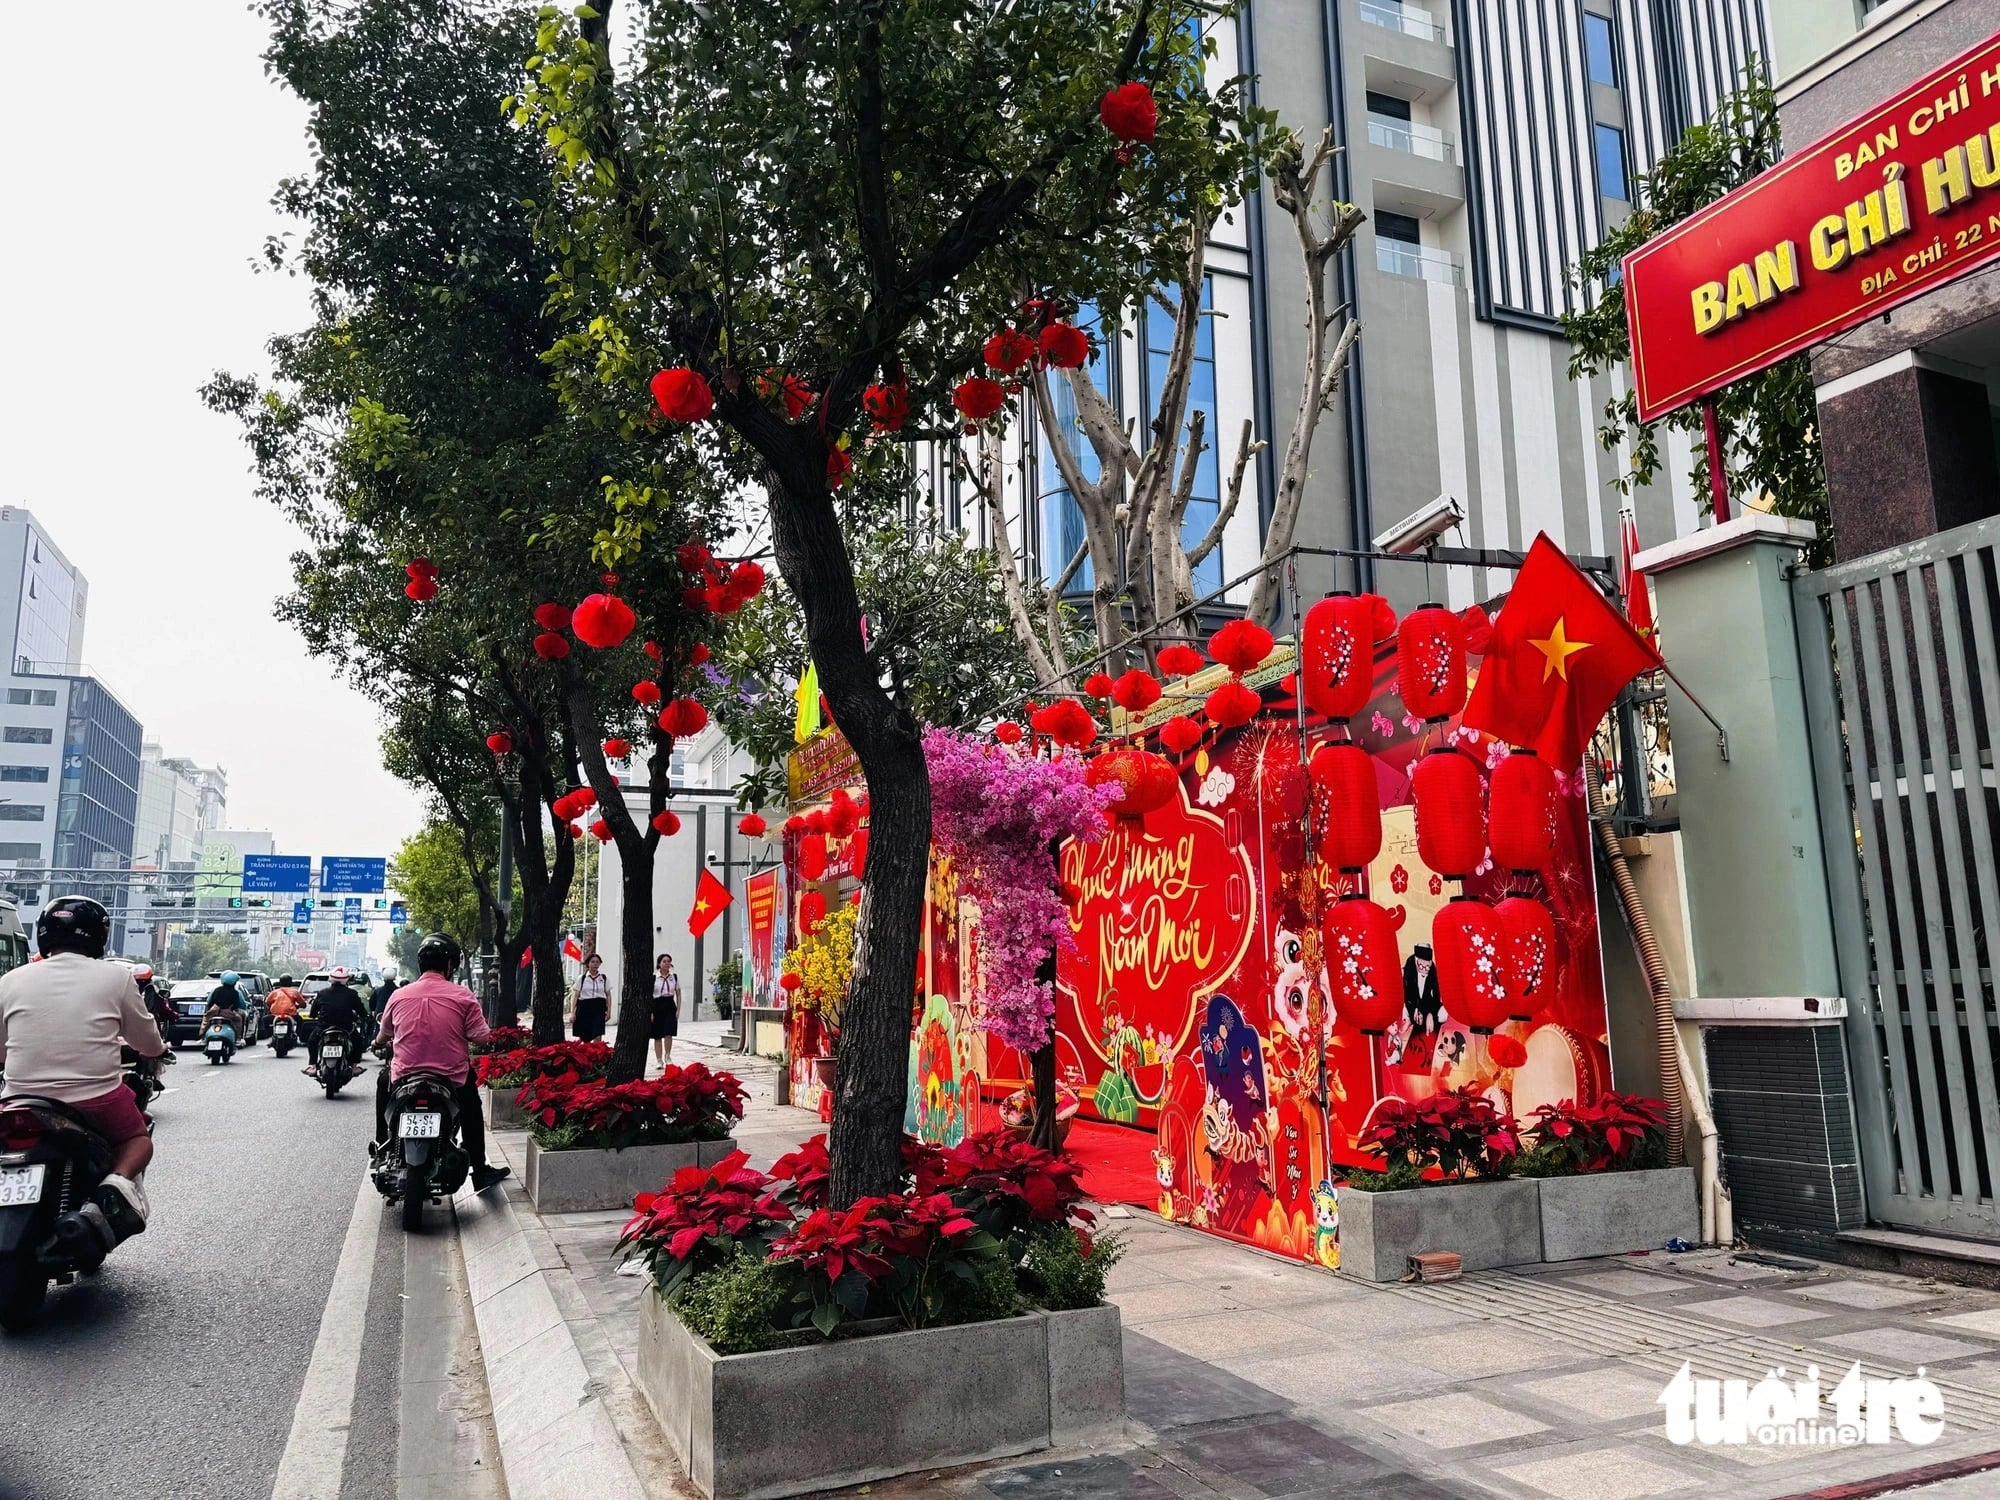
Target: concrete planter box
{"x":502,"y":1113}
{"x":570,"y":1182}
{"x":1609,"y":1213}
{"x":1489,"y":1224}
{"x":891,"y":1403}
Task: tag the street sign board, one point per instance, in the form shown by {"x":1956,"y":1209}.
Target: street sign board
{"x":302,"y":913}
{"x":285,"y":874}
{"x":340,"y":874}
{"x":1897,"y":201}
{"x":350,"y":909}
{"x":399,"y":914}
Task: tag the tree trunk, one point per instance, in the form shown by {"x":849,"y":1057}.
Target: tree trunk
{"x":545,"y":883}
{"x":1042,"y":1065}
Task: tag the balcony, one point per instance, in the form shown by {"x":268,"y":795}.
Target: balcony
{"x":1410,"y":20}
{"x":1402,"y":135}
{"x":1400,"y":258}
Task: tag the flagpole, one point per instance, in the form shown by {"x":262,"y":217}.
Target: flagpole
{"x":1721,"y":734}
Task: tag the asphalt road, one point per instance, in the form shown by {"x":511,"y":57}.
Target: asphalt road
{"x":179,"y":1369}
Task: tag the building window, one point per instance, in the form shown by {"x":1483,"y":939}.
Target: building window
{"x":1062,"y":521}
{"x":1157,"y":324}
{"x":38,"y":697}
{"x":1611,"y":163}
{"x":21,"y":851}
{"x":18,"y":734}
{"x":23,"y":812}
{"x":1388,"y":106}
{"x":24,"y":773}
{"x":1600,"y":49}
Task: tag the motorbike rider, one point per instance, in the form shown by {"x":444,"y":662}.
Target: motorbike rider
{"x":430,"y":1026}
{"x":284,"y":1001}
{"x":379,"y":1001}
{"x":157,"y":1004}
{"x":225,"y":1004}
{"x":338,"y":1008}
{"x":63,"y":1025}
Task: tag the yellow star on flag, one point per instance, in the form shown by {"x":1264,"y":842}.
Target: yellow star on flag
{"x":1557,"y":649}
{"x":701,"y":903}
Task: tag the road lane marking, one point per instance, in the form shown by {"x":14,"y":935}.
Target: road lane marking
{"x":316,"y":1451}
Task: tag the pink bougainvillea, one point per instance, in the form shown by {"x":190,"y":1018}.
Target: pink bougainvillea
{"x":996,"y":811}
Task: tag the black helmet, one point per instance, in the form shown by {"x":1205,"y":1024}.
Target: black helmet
{"x":438,"y":954}
{"x":73,"y":924}
{"x":284,"y":979}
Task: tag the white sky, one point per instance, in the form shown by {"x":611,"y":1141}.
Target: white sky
{"x":137,"y":195}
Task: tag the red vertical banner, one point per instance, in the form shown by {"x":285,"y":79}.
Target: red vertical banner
{"x":760,"y":900}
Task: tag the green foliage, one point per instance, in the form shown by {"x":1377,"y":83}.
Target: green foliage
{"x":200,"y":953}
{"x":1770,"y":419}
{"x":432,"y":873}
{"x":403,"y":947}
{"x":1403,"y":1174}
{"x":1064,"y":1271}
{"x":735,"y":1305}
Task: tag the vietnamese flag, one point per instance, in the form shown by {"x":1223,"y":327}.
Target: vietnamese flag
{"x":1559,"y":655}
{"x":710,"y":896}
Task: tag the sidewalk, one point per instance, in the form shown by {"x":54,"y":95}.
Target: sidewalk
{"x":1251,"y":1376}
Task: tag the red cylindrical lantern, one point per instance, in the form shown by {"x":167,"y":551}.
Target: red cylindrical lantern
{"x":1349,"y":804}
{"x":1471,"y":973}
{"x":1146,"y":781}
{"x":812,"y":912}
{"x":1528,"y":953}
{"x":1450,"y":798}
{"x":1430,"y":662}
{"x":1365,"y":969}
{"x":812,"y":856}
{"x":1340,"y":635}
{"x":1523,"y":812}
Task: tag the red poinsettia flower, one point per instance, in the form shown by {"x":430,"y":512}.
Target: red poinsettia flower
{"x":978,"y":398}
{"x":1065,"y":347}
{"x":550,"y":646}
{"x":1129,"y":112}
{"x":1007,"y":351}
{"x":683,"y":395}
{"x":887,"y":405}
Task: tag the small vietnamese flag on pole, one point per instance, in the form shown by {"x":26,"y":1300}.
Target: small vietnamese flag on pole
{"x":710,"y":896}
{"x":1559,"y":655}
{"x":1638,"y":598}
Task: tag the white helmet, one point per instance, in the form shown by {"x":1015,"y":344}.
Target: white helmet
{"x":340,"y":976}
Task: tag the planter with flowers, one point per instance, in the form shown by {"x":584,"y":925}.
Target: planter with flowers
{"x":593,"y":1145}
{"x":1604,"y":1188}
{"x":960,"y":1319}
{"x":1458,"y":1175}
{"x":503,"y":1073}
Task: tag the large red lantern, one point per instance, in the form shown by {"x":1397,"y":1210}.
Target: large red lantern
{"x":1363,"y":966}
{"x":1180,"y":734}
{"x":683,"y":717}
{"x":1528,"y":953}
{"x":1241,"y":646}
{"x":1450,"y":798}
{"x":1471,"y":969}
{"x":1349,"y":804}
{"x":1522,"y":812}
{"x":812,"y":857}
{"x":1340,"y":635}
{"x":812,"y":912}
{"x":1430,"y":662}
{"x":602,"y":620}
{"x":1146,"y":781}
{"x":1232,"y":705}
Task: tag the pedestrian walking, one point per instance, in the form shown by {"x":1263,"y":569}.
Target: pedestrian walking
{"x":593,"y":1002}
{"x":666,"y":1008}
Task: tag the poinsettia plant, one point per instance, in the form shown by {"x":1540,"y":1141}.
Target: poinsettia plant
{"x":1617,"y":1132}
{"x":698,"y":1220}
{"x":691,"y":1103}
{"x":1461,"y":1133}
{"x":901,"y":1255}
{"x":575,"y":1060}
{"x":503,"y":1039}
{"x":1007,"y":1183}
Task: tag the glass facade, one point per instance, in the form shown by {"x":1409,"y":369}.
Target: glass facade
{"x":1062,"y":521}
{"x":1156,"y":322}
{"x":98,"y":799}
{"x":46,"y":621}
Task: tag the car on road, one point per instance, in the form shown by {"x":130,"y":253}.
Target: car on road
{"x":13,"y":936}
{"x":189,"y":998}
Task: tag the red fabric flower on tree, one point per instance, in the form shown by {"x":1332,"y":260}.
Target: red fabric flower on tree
{"x":1129,"y":112}
{"x":1097,"y":685}
{"x":683,"y":395}
{"x":1064,"y":347}
{"x":683,"y":717}
{"x":1232,"y":705}
{"x":550,"y":646}
{"x":1241,"y":646}
{"x":1067,"y":722}
{"x":1135,"y":691}
{"x":888,"y":406}
{"x":753,"y":826}
{"x":647,"y":693}
{"x":603,"y":621}
{"x":666,"y":822}
{"x":1181,"y":660}
{"x":978,"y":398}
{"x":421,"y":589}
{"x":1007,"y":351}
{"x":617,"y":749}
{"x":1007,"y":732}
{"x":500,"y":742}
{"x":1180,"y":734}
{"x":552,"y":616}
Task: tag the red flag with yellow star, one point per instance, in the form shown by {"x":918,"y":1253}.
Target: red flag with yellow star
{"x":1559,"y":655}
{"x":710,"y":896}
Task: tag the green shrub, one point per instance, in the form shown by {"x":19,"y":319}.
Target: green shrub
{"x":993,"y":1292}
{"x":1404,"y":1174}
{"x":1062,"y":1274}
{"x":1546,"y":1159}
{"x":734,"y":1305}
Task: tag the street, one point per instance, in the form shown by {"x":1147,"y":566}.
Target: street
{"x":197,"y":1363}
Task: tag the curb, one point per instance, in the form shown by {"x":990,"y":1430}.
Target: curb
{"x":557,"y":1436}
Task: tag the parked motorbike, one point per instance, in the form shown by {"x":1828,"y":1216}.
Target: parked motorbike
{"x":283,"y":1035}
{"x":424,"y":1158}
{"x":335,"y":1071}
{"x":50,"y":1162}
{"x":142,"y":1076}
{"x":218,"y":1042}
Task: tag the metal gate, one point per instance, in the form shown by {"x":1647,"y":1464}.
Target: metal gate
{"x":1902,"y":690}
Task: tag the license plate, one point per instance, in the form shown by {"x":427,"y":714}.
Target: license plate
{"x":333,"y":1054}
{"x":215,"y":1044}
{"x":21,"y":1185}
{"x":416,"y":1127}
{"x":282,"y":1028}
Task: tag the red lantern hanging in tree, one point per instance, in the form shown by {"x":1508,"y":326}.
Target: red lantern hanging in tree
{"x":888,"y":406}
{"x":1349,"y":805}
{"x":601,"y":831}
{"x":1129,"y":112}
{"x":1066,"y":722}
{"x":1135,"y":691}
{"x":667,"y":822}
{"x":812,"y":912}
{"x":576,"y":830}
{"x":1241,"y":646}
{"x":683,"y":717}
{"x":423,"y":590}
{"x":1471,"y":972}
{"x":1097,"y":685}
{"x":1528,"y":953}
{"x":1340,"y":635}
{"x":752,"y":826}
{"x":683,"y":395}
{"x":617,"y":749}
{"x":1232,"y":705}
{"x":1522,"y":802}
{"x":1180,"y":734}
{"x":843,"y":814}
{"x":1008,"y":350}
{"x":602,"y":621}
{"x":647,"y":693}
{"x":978,"y":398}
{"x":550,"y":646}
{"x":552,"y":616}
{"x":812,"y":857}
{"x":1181,"y":660}
{"x":500,"y":742}
{"x":1147,"y":781}
{"x":791,"y":981}
{"x":1450,"y":798}
{"x":1363,"y":967}
{"x":1064,"y":347}
{"x":1430,"y":662}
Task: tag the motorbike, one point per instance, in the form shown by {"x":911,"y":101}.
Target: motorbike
{"x":424,"y":1158}
{"x":218,"y":1041}
{"x":50,"y":1161}
{"x":335,"y":1070}
{"x":283,"y":1035}
{"x":142,"y":1076}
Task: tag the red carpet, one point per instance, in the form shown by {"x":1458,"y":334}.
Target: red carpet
{"x":1117,"y":1162}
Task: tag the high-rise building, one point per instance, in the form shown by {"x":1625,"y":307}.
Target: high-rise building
{"x":42,"y":597}
{"x":178,"y":803}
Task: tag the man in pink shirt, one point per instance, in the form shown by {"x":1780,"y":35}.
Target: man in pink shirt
{"x":431,"y":1024}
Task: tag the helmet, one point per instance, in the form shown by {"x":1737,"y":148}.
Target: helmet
{"x":230,"y":976}
{"x":73,"y":924}
{"x":439,"y":954}
{"x":285,"y":979}
{"x":340,"y":974}
{"x":142,"y":973}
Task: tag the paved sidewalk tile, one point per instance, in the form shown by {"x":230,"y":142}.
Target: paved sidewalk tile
{"x":1870,"y":1295}
{"x":1457,"y":1419}
{"x":1597,"y":1474}
{"x":1752,"y":1312}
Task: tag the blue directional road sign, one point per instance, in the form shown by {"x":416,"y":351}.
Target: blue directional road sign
{"x":287,"y":874}
{"x":340,"y":875}
{"x":350,"y":909}
{"x":302,"y":913}
{"x":399,"y":914}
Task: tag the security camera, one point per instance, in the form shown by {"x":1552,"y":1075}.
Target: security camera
{"x":713,"y":857}
{"x":1422,"y":528}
